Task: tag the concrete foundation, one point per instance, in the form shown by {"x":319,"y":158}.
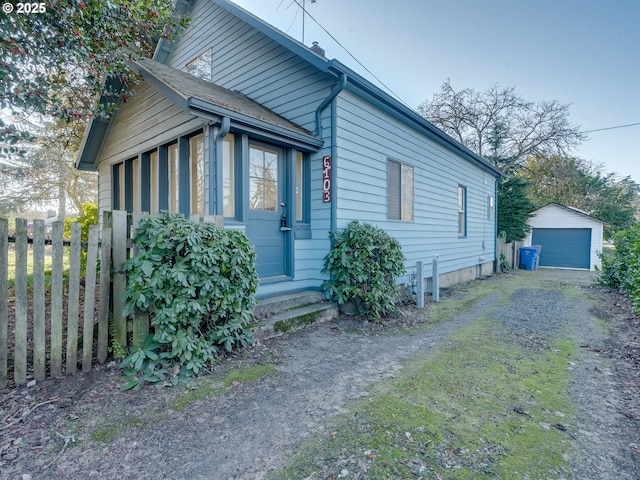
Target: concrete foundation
{"x":463,"y":275}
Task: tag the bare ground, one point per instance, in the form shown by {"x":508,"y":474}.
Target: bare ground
{"x":84,"y":427}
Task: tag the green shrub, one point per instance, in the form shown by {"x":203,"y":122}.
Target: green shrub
{"x":364,"y":264}
{"x":198,"y":282}
{"x":622,"y":269}
{"x":88,"y":217}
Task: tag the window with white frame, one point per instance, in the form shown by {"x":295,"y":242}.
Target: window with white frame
{"x":174,"y":177}
{"x":490,"y":208}
{"x":201,"y":65}
{"x":302,"y":187}
{"x":154,"y":179}
{"x":400,"y":188}
{"x":196,"y":174}
{"x":462,"y":211}
{"x":228,"y":176}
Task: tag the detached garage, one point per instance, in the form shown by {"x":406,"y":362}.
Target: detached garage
{"x":570,"y":238}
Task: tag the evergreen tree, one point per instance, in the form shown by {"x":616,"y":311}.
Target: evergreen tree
{"x":514,"y":208}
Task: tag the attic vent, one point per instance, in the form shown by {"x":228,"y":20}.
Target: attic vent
{"x":317,"y":48}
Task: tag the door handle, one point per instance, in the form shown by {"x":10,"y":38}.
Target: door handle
{"x":283,"y":224}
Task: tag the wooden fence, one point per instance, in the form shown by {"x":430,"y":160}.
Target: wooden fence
{"x":54,"y":321}
{"x":509,"y":253}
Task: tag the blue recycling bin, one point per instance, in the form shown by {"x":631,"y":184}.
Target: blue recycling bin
{"x":528,"y":258}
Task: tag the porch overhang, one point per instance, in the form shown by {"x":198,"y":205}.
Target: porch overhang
{"x":204,"y":99}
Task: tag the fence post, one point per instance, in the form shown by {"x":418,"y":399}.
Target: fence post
{"x":105,"y":287}
{"x":4,"y":302}
{"x":57,"y":253}
{"x":73,"y":300}
{"x":435,"y":280}
{"x":89,"y":298}
{"x":119,"y":244}
{"x":140,"y":319}
{"x":419,"y":285}
{"x":20,"y":353}
{"x":39,"y":342}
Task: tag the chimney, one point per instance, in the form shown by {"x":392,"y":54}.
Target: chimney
{"x":317,"y":48}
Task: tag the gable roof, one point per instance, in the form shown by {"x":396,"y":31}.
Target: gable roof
{"x":201,"y":98}
{"x":358,"y":85}
{"x":575,"y":210}
{"x":97,"y":130}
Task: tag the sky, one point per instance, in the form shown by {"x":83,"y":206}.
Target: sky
{"x":585,"y":53}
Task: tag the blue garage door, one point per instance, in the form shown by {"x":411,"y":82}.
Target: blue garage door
{"x":563,"y":247}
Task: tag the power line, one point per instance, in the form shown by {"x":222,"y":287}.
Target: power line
{"x":352,"y":56}
{"x":611,"y":128}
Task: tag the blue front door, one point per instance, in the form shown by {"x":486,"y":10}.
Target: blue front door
{"x":267,"y":205}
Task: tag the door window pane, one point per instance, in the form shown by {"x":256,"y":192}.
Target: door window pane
{"x":263,"y":179}
{"x":299,"y":186}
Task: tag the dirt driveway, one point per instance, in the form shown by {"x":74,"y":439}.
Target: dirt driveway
{"x":246,"y":424}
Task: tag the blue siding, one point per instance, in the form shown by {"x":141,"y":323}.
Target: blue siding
{"x":248,"y":61}
{"x":367,"y":138}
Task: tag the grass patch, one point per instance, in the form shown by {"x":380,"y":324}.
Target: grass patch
{"x":48,"y":265}
{"x":284,"y":326}
{"x":464,"y":296}
{"x":474,"y":408}
{"x":216,"y":386}
{"x":108,"y":431}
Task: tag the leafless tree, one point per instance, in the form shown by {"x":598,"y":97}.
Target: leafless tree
{"x":500,"y":125}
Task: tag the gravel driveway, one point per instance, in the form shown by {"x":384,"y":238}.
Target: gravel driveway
{"x":255,"y":427}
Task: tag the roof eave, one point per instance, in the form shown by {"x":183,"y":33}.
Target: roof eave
{"x":95,"y":133}
{"x":202,"y":108}
{"x":198,"y":106}
{"x":573,"y":210}
{"x":405,"y":114}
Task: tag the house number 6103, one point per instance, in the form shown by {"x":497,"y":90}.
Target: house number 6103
{"x":326,"y":178}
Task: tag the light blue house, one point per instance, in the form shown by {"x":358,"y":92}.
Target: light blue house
{"x":235,"y":118}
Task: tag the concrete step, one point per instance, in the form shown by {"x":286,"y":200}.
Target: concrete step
{"x":295,"y":319}
{"x":271,"y":305}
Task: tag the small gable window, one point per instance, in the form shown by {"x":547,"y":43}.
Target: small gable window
{"x":201,"y":65}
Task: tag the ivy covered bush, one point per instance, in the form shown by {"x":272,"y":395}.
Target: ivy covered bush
{"x":622,"y":269}
{"x":364,"y":264}
{"x":198,"y":283}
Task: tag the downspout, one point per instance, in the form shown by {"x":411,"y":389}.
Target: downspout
{"x":495,"y":221}
{"x":342,"y":83}
{"x":225,"y":126}
{"x":335,"y":91}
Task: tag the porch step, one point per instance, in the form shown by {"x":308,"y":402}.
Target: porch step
{"x":295,"y":319}
{"x":271,"y":305}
